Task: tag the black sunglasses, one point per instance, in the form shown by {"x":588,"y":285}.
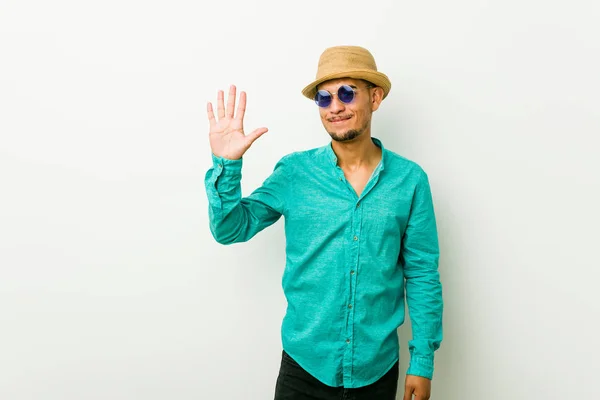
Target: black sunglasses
{"x":345,"y":94}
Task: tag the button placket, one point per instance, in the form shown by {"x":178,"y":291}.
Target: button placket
{"x":356,"y":217}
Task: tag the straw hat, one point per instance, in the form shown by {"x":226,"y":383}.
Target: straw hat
{"x":347,"y":62}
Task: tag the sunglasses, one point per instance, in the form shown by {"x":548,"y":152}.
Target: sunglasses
{"x":345,"y":94}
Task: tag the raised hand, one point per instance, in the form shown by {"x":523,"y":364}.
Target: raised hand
{"x":227,"y":138}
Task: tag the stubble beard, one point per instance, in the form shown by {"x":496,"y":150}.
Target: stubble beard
{"x":348,"y":135}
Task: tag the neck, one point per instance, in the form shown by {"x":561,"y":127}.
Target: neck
{"x":357,"y":153}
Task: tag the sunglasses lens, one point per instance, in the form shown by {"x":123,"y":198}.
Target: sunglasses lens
{"x":345,"y":94}
{"x":323,"y":98}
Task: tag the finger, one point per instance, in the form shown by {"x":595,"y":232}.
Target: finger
{"x":241,"y":110}
{"x":211,"y":115}
{"x":407,"y":393}
{"x":220,"y":105}
{"x":231,"y":102}
{"x":255,"y":134}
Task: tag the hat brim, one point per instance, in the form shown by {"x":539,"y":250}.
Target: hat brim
{"x":375,"y":77}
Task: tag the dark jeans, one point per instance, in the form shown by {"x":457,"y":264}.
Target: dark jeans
{"x":294,"y":383}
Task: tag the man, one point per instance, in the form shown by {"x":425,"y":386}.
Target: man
{"x":360,"y":235}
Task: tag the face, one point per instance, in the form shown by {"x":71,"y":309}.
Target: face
{"x":345,"y":122}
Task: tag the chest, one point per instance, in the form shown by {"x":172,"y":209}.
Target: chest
{"x":358,"y":180}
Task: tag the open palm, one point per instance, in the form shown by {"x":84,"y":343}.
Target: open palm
{"x":226,"y":135}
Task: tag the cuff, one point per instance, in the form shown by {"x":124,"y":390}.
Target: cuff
{"x":421,"y":366}
{"x":226,"y":166}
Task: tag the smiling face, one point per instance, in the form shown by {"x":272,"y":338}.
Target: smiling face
{"x":345,"y":122}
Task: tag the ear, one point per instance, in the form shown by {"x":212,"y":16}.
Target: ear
{"x":376,"y":97}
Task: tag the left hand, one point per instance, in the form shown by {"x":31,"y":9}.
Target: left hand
{"x":418,"y":386}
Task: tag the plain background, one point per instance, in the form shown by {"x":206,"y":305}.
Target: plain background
{"x":111,"y":286}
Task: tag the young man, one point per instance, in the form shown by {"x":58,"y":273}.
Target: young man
{"x":360,"y":236}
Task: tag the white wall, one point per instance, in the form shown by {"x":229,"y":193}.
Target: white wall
{"x":111,"y":285}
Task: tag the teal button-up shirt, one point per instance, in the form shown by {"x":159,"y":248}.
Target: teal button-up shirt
{"x":350,"y":260}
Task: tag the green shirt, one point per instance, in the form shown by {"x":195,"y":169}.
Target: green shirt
{"x":350,"y":260}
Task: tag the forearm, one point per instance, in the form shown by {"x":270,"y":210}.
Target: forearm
{"x":425,"y":306}
{"x":233,"y":218}
{"x":228,"y":218}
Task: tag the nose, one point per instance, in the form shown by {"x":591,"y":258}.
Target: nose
{"x":336,"y":105}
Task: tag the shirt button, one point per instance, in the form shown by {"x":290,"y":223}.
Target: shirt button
{"x":352,"y":272}
{"x":355,"y":238}
{"x":347,"y":340}
{"x":349,"y":305}
{"x":357,"y":205}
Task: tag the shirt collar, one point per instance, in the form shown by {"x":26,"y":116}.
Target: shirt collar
{"x":330,"y":154}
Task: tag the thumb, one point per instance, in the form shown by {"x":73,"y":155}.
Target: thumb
{"x":255,"y":134}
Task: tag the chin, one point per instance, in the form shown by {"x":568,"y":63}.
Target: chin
{"x":345,"y":136}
